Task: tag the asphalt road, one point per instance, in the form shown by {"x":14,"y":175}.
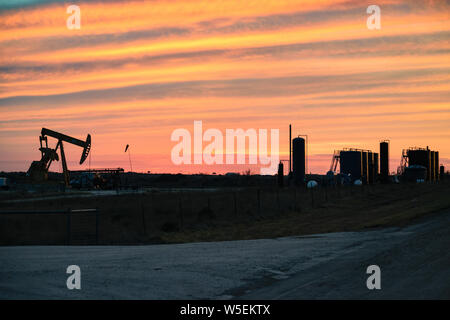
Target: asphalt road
{"x":414,"y":262}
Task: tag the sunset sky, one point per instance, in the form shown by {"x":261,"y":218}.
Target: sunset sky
{"x":138,"y":70}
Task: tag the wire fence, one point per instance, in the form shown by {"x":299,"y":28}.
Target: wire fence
{"x":81,"y":225}
{"x":146,"y":217}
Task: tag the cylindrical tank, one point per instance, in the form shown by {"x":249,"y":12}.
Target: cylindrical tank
{"x":376,"y":166}
{"x":429,"y":164}
{"x":432,"y":170}
{"x":351,"y":163}
{"x":384,"y":161}
{"x":280,"y":174}
{"x":298,"y":160}
{"x":420,"y":157}
{"x":365,"y":167}
{"x":436,"y":165}
{"x":312,"y":184}
{"x":370,"y":168}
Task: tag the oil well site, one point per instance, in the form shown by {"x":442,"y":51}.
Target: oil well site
{"x":108,"y":206}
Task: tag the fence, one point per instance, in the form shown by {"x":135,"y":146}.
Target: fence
{"x":146,"y":217}
{"x":78,"y":222}
{"x":179,"y":210}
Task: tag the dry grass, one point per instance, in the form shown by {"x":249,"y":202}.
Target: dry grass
{"x":211,"y":216}
{"x":377,"y":206}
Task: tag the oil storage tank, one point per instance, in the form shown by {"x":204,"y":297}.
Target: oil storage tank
{"x":370,"y":167}
{"x":426,"y":158}
{"x":351,"y":163}
{"x":429,"y":165}
{"x":376,"y":166}
{"x":365,"y":167}
{"x":420,"y":157}
{"x":384,"y":161}
{"x":280,"y":176}
{"x":436,"y":165}
{"x":298,"y":160}
{"x":432,"y":171}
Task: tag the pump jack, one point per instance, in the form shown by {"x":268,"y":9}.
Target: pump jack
{"x":39,"y":169}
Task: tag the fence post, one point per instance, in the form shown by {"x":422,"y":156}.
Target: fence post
{"x":68,"y":226}
{"x":96,"y":225}
{"x":295,"y":199}
{"x":152,"y":204}
{"x":278,"y":201}
{"x":235,"y":204}
{"x":180,"y":208}
{"x":258,"y":195}
{"x":143,"y":218}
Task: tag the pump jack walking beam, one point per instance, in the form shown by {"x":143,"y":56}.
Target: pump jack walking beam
{"x":62,"y":137}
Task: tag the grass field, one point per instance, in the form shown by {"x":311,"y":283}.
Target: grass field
{"x":227,"y":214}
